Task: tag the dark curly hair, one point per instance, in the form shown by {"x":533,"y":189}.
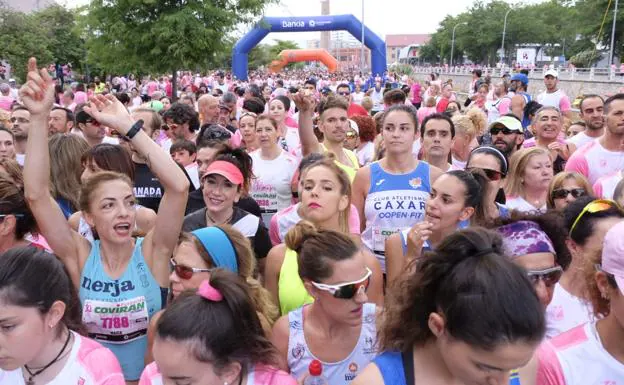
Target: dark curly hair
{"x":484,"y":298}
{"x":182,"y":113}
{"x":366,"y":126}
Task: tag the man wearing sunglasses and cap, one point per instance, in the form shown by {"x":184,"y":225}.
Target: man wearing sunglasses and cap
{"x":507,"y":134}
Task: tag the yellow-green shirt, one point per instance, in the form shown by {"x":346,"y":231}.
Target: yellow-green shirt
{"x":291,"y":292}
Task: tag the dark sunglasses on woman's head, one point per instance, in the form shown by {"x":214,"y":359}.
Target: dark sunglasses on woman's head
{"x":492,"y":175}
{"x":549,"y":276}
{"x":186,"y":272}
{"x":562,"y":193}
{"x":346,"y":290}
{"x":92,"y":121}
{"x":351,"y":134}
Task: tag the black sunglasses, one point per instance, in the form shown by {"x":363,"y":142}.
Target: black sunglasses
{"x":562,"y":193}
{"x":504,"y":130}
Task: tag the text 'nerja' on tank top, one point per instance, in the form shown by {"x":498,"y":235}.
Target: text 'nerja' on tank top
{"x":394,"y":202}
{"x":116,"y":312}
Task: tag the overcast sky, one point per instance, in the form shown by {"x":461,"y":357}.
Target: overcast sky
{"x":381,"y":16}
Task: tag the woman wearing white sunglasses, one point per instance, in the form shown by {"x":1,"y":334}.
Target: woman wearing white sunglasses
{"x":338,"y":328}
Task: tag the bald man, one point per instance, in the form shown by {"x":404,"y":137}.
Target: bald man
{"x":208,"y":107}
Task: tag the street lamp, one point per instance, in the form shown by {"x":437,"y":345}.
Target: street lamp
{"x":503,"y":42}
{"x":613,"y":33}
{"x":453,"y":43}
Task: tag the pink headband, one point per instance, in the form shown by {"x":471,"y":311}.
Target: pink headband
{"x":210,"y":293}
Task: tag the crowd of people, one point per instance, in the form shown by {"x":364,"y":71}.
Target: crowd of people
{"x":379,"y":229}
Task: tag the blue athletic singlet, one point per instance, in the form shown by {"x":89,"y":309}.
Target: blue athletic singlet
{"x":116,"y":312}
{"x":394,"y":202}
{"x":390,"y":365}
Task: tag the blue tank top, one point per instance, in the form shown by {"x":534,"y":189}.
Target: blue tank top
{"x":116,"y":312}
{"x":390,"y":364}
{"x":394,"y":202}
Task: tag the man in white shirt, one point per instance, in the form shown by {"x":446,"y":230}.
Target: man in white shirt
{"x":592,"y":113}
{"x":604,"y":155}
{"x":553,"y":96}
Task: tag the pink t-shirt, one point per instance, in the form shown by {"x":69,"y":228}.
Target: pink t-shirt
{"x":605,"y":186}
{"x":6,"y":102}
{"x":423,"y":112}
{"x":577,"y":357}
{"x":260,"y":375}
{"x":594,"y":161}
{"x":287,"y":218}
{"x":532,"y":142}
{"x":89,"y":363}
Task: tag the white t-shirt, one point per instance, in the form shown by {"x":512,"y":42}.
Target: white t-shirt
{"x":520,"y":204}
{"x":594,"y":161}
{"x":458,"y":164}
{"x":20,"y":158}
{"x":565,"y":312}
{"x":292,"y":139}
{"x":605,"y":186}
{"x":272,"y":186}
{"x":357,"y":97}
{"x":110,"y":140}
{"x":377,"y":97}
{"x":193,"y":172}
{"x":89,"y":363}
{"x":580,"y":139}
{"x":365,"y":154}
{"x":556,"y":99}
{"x":577,"y":357}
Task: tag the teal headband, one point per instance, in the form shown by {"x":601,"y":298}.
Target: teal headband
{"x":219,"y":247}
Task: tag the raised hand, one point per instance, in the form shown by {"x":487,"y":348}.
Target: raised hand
{"x":416,"y":238}
{"x":109,"y":111}
{"x":37,"y":93}
{"x":305,"y":101}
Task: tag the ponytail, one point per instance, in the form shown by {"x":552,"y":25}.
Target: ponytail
{"x":222,"y":329}
{"x":316,"y":248}
{"x":485,"y":299}
{"x":476,"y":185}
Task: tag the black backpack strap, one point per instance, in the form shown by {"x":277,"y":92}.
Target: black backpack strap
{"x":408,"y":366}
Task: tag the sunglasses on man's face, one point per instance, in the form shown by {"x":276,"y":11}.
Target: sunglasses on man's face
{"x":186,"y":272}
{"x":344,"y":93}
{"x":92,"y":121}
{"x":504,"y":130}
{"x":549,"y":276}
{"x":347,"y":290}
{"x":562,"y":193}
{"x":492,"y":175}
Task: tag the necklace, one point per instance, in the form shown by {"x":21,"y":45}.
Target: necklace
{"x":209,"y":219}
{"x":55,"y":360}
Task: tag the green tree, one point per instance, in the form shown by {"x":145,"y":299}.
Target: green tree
{"x":22,"y":37}
{"x":163,"y":35}
{"x":279,"y":46}
{"x":65,"y":43}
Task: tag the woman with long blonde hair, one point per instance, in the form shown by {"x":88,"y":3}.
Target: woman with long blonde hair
{"x":530,"y":173}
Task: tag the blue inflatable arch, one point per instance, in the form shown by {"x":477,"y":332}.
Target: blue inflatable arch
{"x":305,"y":24}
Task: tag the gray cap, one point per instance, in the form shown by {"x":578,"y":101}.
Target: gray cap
{"x":4,"y":87}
